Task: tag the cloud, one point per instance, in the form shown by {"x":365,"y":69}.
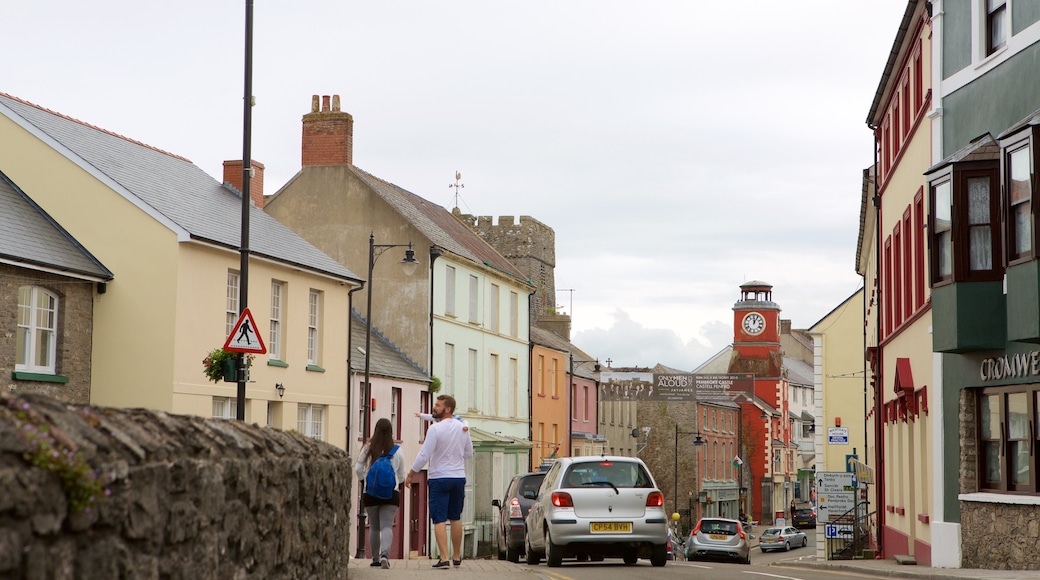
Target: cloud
{"x":629,"y":343}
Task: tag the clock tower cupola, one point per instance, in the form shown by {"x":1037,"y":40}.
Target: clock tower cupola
{"x":756,"y":330}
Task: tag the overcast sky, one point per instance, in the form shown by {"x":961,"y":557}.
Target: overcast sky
{"x":678,"y":148}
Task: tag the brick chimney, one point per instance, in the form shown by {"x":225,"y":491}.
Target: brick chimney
{"x":328,"y":134}
{"x":233,"y":176}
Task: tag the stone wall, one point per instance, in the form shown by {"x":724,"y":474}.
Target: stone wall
{"x":128,"y":493}
{"x":75,"y":325}
{"x":996,"y":536}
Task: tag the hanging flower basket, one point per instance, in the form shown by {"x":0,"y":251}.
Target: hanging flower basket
{"x":221,"y":365}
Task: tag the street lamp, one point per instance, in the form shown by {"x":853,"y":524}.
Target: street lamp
{"x":698,"y":441}
{"x":409,"y":265}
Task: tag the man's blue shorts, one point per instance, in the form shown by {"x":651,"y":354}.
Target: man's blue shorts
{"x":446,"y":497}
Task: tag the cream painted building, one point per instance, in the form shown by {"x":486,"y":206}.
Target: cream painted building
{"x":170,"y":235}
{"x":893,"y":258}
{"x":839,"y":392}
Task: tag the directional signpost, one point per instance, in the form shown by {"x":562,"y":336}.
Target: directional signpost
{"x":836,"y":491}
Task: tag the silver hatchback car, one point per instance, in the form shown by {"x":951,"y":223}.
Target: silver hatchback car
{"x":596,"y":507}
{"x":718,"y":538}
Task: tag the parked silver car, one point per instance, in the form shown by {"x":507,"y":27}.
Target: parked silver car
{"x":782,"y":539}
{"x":597,"y":507}
{"x":720,"y":539}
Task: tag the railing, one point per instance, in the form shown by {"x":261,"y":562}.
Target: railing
{"x":854,"y":534}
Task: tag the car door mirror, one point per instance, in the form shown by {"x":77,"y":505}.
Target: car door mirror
{"x":496,"y":503}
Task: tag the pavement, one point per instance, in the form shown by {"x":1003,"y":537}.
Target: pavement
{"x":483,"y":569}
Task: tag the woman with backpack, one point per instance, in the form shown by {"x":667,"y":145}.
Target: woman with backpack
{"x":380,"y":500}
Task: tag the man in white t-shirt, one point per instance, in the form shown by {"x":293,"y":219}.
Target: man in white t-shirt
{"x":446,"y":449}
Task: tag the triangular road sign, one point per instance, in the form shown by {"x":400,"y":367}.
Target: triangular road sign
{"x":245,"y":337}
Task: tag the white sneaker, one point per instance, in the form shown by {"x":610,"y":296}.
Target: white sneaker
{"x":384,"y":563}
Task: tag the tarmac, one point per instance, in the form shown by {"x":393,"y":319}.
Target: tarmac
{"x":483,"y":569}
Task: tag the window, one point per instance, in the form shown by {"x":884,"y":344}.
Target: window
{"x":1019,"y":180}
{"x":424,"y":407}
{"x":225,"y":407}
{"x":585,"y":404}
{"x":395,"y":410}
{"x":493,"y":385}
{"x":514,"y":314}
{"x":36,"y":341}
{"x":274,"y":341}
{"x":918,"y":254}
{"x":449,"y":291}
{"x":448,"y":384}
{"x":540,"y":375}
{"x":905,"y":96}
{"x":965,"y":223}
{"x":908,"y":265}
{"x":313,"y":327}
{"x":1007,"y":441}
{"x":996,"y":25}
{"x":574,"y":400}
{"x":472,"y":391}
{"x":310,"y":421}
{"x":514,"y":392}
{"x":474,"y":287}
{"x":555,"y":438}
{"x":887,"y":288}
{"x":918,"y":81}
{"x":231,"y":303}
{"x":554,"y":376}
{"x":897,"y":271}
{"x":493,"y":308}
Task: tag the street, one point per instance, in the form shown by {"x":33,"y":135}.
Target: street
{"x":761,"y":567}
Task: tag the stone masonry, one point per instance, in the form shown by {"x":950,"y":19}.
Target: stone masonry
{"x":1016,"y":526}
{"x":75,"y":325}
{"x":129,"y":493}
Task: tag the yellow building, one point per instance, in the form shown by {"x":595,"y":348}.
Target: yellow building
{"x":892,"y":260}
{"x":170,"y":235}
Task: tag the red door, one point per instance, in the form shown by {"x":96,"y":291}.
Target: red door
{"x":418,"y":522}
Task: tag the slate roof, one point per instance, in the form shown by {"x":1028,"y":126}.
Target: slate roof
{"x":981,"y":148}
{"x":799,"y":372}
{"x":547,"y":338}
{"x":386,"y":359}
{"x":171,"y":188}
{"x":439,"y":226}
{"x":31,"y":237}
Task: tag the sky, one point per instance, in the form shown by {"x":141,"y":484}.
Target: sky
{"x":678,"y":148}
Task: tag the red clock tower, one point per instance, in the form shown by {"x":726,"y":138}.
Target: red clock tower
{"x":756,"y":350}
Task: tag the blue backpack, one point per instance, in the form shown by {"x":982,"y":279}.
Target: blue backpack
{"x":381,"y":480}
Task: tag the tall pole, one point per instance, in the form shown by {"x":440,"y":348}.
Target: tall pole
{"x":247,"y":166}
{"x":675,"y":474}
{"x":740,"y":455}
{"x":367,"y":389}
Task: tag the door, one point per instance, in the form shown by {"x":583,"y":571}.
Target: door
{"x":418,"y":522}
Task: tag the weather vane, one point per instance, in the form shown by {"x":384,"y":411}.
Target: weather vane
{"x":457,"y":187}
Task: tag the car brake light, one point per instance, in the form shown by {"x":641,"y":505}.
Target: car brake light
{"x":696,"y":530}
{"x":606,"y":463}
{"x":740,"y":530}
{"x":562,"y":499}
{"x":514,"y":509}
{"x":655,"y":499}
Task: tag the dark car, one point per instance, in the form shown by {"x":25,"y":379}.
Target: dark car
{"x":804,"y":517}
{"x":512,"y":509}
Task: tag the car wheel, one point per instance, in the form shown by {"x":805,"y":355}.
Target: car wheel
{"x":787,"y":546}
{"x":631,"y":557}
{"x":659,"y":555}
{"x":553,"y":552}
{"x":805,"y":542}
{"x":512,"y":554}
{"x":533,"y":558}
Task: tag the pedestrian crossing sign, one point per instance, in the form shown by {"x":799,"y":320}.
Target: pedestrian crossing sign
{"x":245,"y":337}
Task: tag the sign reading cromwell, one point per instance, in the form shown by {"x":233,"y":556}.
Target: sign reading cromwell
{"x":674,"y":387}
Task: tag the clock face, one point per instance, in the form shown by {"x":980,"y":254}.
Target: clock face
{"x":754,"y":323}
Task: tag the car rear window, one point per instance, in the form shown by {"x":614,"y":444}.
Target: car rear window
{"x":771,"y":532}
{"x":803,"y":512}
{"x":607,"y":473}
{"x":718,"y":527}
{"x":529,"y":486}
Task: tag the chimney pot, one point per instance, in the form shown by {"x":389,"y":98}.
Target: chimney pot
{"x":325,"y":104}
{"x":335,"y":103}
{"x":314,"y":104}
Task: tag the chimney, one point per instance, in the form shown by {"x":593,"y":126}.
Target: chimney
{"x":233,"y":176}
{"x":785,"y":326}
{"x":328,"y":134}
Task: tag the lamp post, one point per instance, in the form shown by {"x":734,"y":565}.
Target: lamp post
{"x":409,"y":264}
{"x":698,"y":441}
